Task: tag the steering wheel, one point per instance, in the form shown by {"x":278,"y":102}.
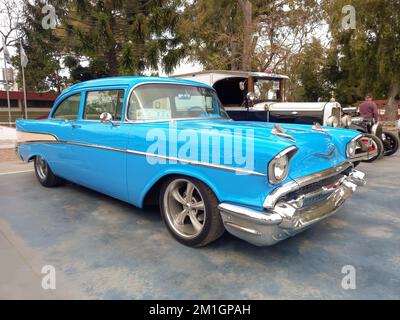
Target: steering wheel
{"x":196,"y":109}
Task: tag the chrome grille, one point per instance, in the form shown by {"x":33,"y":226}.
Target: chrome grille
{"x":314,"y":192}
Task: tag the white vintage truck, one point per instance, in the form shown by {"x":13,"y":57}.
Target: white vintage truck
{"x":259,"y":96}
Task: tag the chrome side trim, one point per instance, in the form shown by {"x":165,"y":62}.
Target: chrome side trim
{"x":196,"y":163}
{"x":279,"y":192}
{"x":26,"y":137}
{"x":173,"y":120}
{"x":152,"y":155}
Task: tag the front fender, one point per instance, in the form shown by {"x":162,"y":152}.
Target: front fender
{"x":183,"y":172}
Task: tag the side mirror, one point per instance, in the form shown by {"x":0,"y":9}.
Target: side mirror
{"x":106,"y":117}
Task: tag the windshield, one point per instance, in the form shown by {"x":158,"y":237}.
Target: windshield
{"x":173,"y":101}
{"x":266,"y":89}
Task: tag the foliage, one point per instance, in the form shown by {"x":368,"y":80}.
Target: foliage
{"x":369,"y":54}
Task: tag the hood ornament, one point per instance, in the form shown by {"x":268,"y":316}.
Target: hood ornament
{"x":280,"y":132}
{"x":317,"y":127}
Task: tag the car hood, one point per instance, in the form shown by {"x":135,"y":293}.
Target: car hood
{"x":317,"y":150}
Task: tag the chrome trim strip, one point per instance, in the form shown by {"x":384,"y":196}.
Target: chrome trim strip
{"x":172,"y":120}
{"x":152,"y":155}
{"x":294,"y":185}
{"x":28,"y":136}
{"x":196,"y":163}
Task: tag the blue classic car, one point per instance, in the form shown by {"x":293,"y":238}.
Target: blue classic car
{"x":169,"y":142}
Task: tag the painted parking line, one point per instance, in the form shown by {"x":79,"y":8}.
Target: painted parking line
{"x":15,"y":172}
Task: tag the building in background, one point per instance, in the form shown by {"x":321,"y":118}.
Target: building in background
{"x":39,"y":105}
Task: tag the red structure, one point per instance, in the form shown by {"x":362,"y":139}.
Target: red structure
{"x":34,"y":99}
{"x":38,"y":103}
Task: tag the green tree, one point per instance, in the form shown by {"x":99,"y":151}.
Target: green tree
{"x":44,"y":70}
{"x":308,"y":80}
{"x":129,"y":36}
{"x":248,"y":34}
{"x":368,"y":54}
{"x":99,"y":38}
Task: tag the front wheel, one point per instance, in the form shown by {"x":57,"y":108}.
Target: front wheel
{"x":44,"y":174}
{"x":391,"y":144}
{"x":189,"y":209}
{"x":377,"y":143}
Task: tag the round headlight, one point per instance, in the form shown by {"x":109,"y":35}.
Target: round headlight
{"x":346,"y":121}
{"x":278,"y":169}
{"x":333,"y":122}
{"x":351,"y":149}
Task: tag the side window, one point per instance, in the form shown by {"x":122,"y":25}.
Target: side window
{"x":69,"y":108}
{"x":150,"y":107}
{"x":97,"y":102}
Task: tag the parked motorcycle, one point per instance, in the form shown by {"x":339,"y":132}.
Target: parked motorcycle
{"x":386,"y":142}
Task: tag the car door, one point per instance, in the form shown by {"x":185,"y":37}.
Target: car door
{"x":59,"y":124}
{"x":99,"y":148}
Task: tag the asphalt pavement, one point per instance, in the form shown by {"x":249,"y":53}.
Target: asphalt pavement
{"x":102,"y":248}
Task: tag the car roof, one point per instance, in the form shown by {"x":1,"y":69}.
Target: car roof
{"x":128,"y":81}
{"x":238,"y":73}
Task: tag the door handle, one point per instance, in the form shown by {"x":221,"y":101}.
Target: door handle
{"x":76,"y":126}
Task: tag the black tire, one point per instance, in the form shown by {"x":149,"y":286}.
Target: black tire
{"x":379,"y":145}
{"x":356,"y":164}
{"x":212,"y":225}
{"x":391,"y":144}
{"x":44,"y":174}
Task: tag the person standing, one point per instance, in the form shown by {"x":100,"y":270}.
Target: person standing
{"x":369,"y":109}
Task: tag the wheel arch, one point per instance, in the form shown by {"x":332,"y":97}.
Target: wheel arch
{"x":151,"y":194}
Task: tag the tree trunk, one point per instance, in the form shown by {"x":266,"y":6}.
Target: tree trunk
{"x":111,"y":53}
{"x":247,"y":9}
{"x":111,"y":57}
{"x":391,"y":110}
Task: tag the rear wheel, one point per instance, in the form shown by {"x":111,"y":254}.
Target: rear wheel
{"x":44,"y":174}
{"x":377,"y":143}
{"x":391,"y":144}
{"x":189,"y":209}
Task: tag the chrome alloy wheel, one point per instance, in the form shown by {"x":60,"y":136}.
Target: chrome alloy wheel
{"x":41,"y":168}
{"x":184,"y":208}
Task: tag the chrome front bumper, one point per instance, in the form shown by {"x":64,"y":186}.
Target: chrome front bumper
{"x":285,"y":217}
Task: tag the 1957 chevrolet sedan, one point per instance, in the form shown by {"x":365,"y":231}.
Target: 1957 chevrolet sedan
{"x":170,"y":142}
